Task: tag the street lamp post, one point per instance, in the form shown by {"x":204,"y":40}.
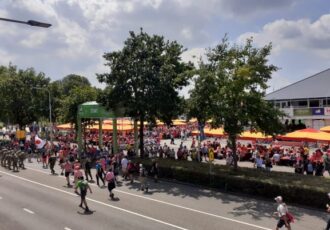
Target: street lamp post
{"x":29,"y":22}
{"x":50,"y":111}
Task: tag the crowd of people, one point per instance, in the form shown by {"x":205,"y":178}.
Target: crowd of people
{"x":110,"y":167}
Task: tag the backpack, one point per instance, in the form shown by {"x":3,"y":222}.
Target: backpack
{"x":83,"y":185}
{"x":109,"y":176}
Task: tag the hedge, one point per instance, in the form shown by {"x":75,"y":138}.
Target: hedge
{"x":295,"y":188}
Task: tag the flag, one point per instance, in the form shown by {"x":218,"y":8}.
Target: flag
{"x":39,"y":142}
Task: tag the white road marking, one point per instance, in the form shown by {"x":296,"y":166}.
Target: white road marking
{"x":66,"y":228}
{"x":195,"y":210}
{"x":96,"y":201}
{"x":28,"y":210}
{"x":0,"y":198}
{"x":182,"y":207}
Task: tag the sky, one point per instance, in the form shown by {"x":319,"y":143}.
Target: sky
{"x":83,"y":30}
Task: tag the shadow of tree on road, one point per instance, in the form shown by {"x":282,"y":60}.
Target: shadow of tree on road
{"x":257,"y":208}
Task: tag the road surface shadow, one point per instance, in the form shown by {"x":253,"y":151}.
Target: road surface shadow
{"x":115,"y":199}
{"x":244,"y":205}
{"x":86,"y":213}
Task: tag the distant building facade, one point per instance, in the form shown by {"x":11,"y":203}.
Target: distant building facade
{"x":307,"y":100}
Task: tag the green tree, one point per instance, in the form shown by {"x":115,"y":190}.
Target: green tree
{"x":21,"y":103}
{"x":72,"y":81}
{"x":70,"y":103}
{"x":61,"y":89}
{"x":202,"y":97}
{"x":239,"y":76}
{"x":144,"y":78}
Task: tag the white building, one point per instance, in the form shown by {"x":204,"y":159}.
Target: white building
{"x":307,"y":100}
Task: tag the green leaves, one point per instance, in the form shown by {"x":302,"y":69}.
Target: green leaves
{"x":144,"y":77}
{"x":20,"y":103}
{"x":230,"y":88}
{"x":147,"y":71}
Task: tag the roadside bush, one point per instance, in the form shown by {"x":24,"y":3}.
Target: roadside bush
{"x":299,"y":189}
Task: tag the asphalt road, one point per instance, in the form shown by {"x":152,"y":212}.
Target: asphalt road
{"x":34,"y":199}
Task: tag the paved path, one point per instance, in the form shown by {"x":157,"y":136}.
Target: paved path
{"x":34,"y":199}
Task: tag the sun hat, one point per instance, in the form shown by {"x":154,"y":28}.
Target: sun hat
{"x":279,"y":198}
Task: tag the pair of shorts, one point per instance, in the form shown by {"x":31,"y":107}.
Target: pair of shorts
{"x":83,"y":193}
{"x":281,"y":223}
{"x":67,"y":174}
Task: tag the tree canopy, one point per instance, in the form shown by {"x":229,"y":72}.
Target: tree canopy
{"x":21,"y":103}
{"x":145,"y":77}
{"x":231,"y":87}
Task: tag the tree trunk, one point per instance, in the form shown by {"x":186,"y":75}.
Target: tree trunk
{"x":141,"y":137}
{"x":232,"y":139}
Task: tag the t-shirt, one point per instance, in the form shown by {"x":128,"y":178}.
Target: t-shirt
{"x":124,"y":163}
{"x":67,"y":167}
{"x":259,"y":162}
{"x":109,"y":176}
{"x":77,"y":174}
{"x":82,"y":184}
{"x":281,"y":210}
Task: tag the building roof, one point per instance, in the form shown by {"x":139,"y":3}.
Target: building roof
{"x":90,"y":103}
{"x":315,"y":86}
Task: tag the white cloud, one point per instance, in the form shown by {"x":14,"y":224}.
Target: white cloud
{"x":35,"y":39}
{"x":6,"y":58}
{"x":194,"y":55}
{"x":299,"y":35}
{"x":82,"y":30}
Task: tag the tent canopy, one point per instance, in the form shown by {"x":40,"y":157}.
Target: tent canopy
{"x":326,"y":129}
{"x":307,"y":135}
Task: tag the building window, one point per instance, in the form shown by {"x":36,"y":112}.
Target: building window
{"x":314,"y":103}
{"x":284,"y":104}
{"x":302,"y":103}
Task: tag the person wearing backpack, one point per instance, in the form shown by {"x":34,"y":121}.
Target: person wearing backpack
{"x":111,"y":179}
{"x":285,"y":218}
{"x":83,"y":186}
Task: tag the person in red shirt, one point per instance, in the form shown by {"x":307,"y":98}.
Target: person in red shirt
{"x":67,"y":169}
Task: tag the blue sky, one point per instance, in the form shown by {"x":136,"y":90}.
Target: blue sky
{"x":84,"y":29}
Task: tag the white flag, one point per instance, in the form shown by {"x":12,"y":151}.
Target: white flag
{"x":39,"y":142}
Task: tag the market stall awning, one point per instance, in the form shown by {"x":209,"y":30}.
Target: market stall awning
{"x":326,"y":129}
{"x":109,"y":128}
{"x":248,"y":135}
{"x":219,"y":132}
{"x":307,"y":135}
{"x":67,"y":126}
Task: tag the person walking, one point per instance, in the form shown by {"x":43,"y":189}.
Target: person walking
{"x":99,"y":173}
{"x":52,"y":162}
{"x":111,"y":179}
{"x":142,"y":178}
{"x":87,"y":169}
{"x":67,"y":171}
{"x":154,"y":170}
{"x":285,"y":218}
{"x":124,"y":163}
{"x":83,"y":186}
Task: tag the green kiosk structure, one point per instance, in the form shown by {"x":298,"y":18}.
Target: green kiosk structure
{"x":94,"y":110}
